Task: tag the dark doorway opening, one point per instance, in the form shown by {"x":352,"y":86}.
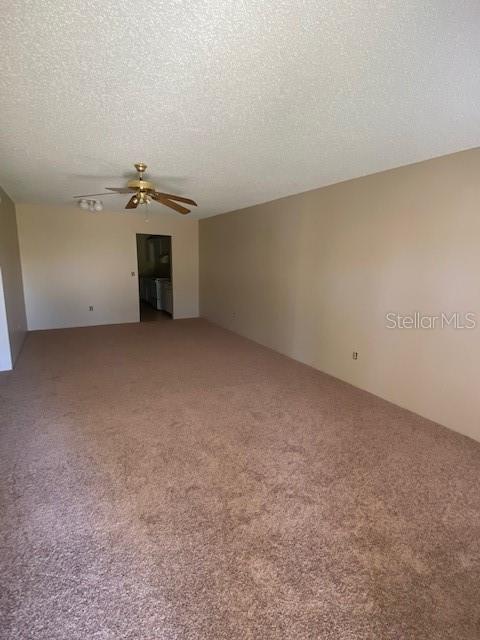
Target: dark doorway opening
{"x":154,"y":257}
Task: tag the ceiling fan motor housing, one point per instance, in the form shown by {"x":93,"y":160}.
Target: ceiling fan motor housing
{"x":140,"y":185}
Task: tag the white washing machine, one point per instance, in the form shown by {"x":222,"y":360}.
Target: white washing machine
{"x":157,"y":292}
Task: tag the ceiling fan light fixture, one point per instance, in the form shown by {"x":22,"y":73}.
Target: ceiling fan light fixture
{"x":98,"y":206}
{"x":83,"y":204}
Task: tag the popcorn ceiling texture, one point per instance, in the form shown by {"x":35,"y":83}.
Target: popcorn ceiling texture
{"x":232,"y":102}
{"x":173,"y":481}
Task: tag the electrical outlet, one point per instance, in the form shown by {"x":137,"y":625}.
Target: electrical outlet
{"x":90,"y":308}
{"x":355,"y":355}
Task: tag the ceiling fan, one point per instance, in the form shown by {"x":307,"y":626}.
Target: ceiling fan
{"x":144,"y":192}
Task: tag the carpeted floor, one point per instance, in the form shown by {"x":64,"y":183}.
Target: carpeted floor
{"x":171,"y":480}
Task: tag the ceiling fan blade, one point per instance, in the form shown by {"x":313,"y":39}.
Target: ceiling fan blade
{"x":131,"y":204}
{"x":169,"y":203}
{"x":178,"y":198}
{"x":120,"y":189}
{"x":90,"y":195}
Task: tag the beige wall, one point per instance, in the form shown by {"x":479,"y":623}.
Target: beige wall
{"x":72,"y":259}
{"x":12,"y":308}
{"x":313,"y":276}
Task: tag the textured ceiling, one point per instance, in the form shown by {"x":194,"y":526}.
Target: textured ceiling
{"x":231,"y":102}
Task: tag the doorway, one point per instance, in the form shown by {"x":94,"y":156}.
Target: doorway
{"x":155,"y":291}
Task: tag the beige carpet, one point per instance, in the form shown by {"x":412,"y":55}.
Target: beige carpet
{"x":171,"y":480}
